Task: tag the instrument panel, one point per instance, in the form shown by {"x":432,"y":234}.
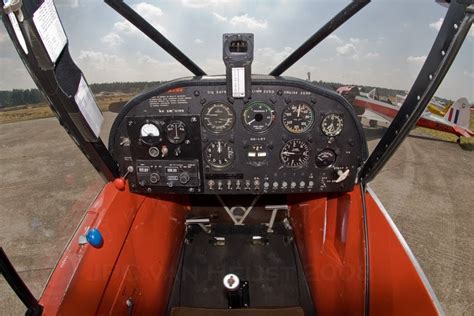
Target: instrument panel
{"x":188,"y":136}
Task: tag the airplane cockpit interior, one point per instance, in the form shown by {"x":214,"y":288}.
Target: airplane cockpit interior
{"x":240,"y":193}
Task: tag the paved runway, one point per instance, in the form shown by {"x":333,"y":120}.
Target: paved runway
{"x":427,"y":187}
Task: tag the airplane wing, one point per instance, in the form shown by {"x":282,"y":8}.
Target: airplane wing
{"x":454,"y":122}
{"x":372,"y":119}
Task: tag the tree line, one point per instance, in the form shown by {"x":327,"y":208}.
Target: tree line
{"x":33,"y":96}
{"x":17,"y":97}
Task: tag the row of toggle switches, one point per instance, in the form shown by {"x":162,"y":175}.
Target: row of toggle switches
{"x":237,"y":185}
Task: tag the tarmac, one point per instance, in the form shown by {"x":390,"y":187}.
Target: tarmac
{"x":427,"y":188}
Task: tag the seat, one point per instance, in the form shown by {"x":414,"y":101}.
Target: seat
{"x":192,"y":311}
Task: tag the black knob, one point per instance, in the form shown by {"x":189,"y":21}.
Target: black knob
{"x":154,"y":178}
{"x":184,"y":178}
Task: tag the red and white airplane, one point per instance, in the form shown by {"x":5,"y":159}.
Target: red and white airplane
{"x":456,"y":119}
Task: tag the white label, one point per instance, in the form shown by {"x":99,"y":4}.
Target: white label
{"x":50,"y":29}
{"x":89,"y":109}
{"x":238,"y":82}
{"x":18,"y":33}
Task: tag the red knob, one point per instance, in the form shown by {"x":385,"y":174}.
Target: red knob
{"x":119,"y":184}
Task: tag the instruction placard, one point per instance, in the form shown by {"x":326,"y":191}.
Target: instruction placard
{"x":88,"y":107}
{"x":238,"y":82}
{"x":49,"y":27}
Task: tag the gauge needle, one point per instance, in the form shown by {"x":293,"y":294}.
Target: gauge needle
{"x":288,"y":153}
{"x":299,"y":110}
{"x":176,"y":130}
{"x":251,"y":121}
{"x":219,"y":148}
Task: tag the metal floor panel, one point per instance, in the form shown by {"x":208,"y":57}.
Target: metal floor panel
{"x":272,"y":269}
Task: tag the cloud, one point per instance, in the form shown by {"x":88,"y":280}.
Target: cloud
{"x":219,"y":17}
{"x":372,"y":55}
{"x":418,"y":60}
{"x":150,"y":12}
{"x":267,"y":58}
{"x":346,"y":49}
{"x":99,"y":60}
{"x":335,"y":38}
{"x":112,"y":39}
{"x":242,"y":20}
{"x":356,"y":40}
{"x":198,"y":4}
{"x":248,"y":21}
{"x":198,"y":41}
{"x":469,"y":74}
{"x":437,"y":25}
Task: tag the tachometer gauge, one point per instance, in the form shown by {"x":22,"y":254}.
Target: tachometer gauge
{"x":295,"y":153}
{"x":149,"y":133}
{"x":332,"y":124}
{"x":218,"y":117}
{"x":219,"y":154}
{"x":176,"y":132}
{"x":298,"y":117}
{"x":258,"y":117}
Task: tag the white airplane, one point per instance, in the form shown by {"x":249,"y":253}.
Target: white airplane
{"x":456,"y":118}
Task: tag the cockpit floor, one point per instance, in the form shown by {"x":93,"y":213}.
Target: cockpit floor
{"x":271,"y":266}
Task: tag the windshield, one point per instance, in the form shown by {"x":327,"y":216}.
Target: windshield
{"x":372,"y":61}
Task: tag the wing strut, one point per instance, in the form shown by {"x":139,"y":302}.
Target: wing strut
{"x":455,"y":27}
{"x":340,"y":18}
{"x":138,"y":21}
{"x":17,"y":284}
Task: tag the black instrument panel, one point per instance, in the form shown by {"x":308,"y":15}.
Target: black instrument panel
{"x":189,"y":137}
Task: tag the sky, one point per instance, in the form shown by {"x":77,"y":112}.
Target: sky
{"x":383,"y":45}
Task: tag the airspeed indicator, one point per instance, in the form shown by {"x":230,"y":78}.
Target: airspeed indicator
{"x":298,"y":118}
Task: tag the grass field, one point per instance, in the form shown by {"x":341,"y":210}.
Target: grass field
{"x":466,"y":143}
{"x":42,"y":110}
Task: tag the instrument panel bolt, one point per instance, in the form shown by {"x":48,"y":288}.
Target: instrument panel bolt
{"x":193,"y":119}
{"x":203,"y":100}
{"x":196,"y":93}
{"x":280,"y":92}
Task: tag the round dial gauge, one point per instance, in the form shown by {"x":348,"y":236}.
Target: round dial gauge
{"x":149,"y":133}
{"x":325,"y":158}
{"x":295,"y":153}
{"x":149,"y":129}
{"x":218,"y":117}
{"x":298,"y":117}
{"x":332,"y":124}
{"x":258,"y":117}
{"x":219,"y":154}
{"x":176,"y":132}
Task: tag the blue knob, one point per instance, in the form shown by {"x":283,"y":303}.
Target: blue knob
{"x":94,"y":237}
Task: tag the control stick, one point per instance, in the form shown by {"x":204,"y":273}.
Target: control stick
{"x":237,"y":291}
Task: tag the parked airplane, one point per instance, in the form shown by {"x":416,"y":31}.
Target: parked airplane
{"x":456,"y":118}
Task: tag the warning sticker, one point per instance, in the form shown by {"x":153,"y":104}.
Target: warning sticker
{"x":49,"y":27}
{"x":18,"y":33}
{"x":88,"y":107}
{"x":238,"y":82}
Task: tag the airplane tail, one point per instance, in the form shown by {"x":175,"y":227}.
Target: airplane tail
{"x":459,"y":113}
